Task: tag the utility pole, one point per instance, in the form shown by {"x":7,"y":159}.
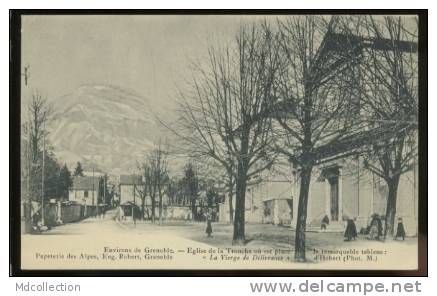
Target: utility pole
{"x":43,"y":173}
{"x":95,"y":213}
{"x":414,"y":195}
{"x":104,"y":195}
{"x":134,"y":205}
{"x":358,"y":187}
{"x":29,"y":161}
{"x":27,"y":206}
{"x":26,"y":74}
{"x":104,"y":189}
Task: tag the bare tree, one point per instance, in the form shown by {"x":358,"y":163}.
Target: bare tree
{"x":220,"y":117}
{"x":150,"y":186}
{"x":159,"y":171}
{"x":143,"y":187}
{"x":191,"y":187}
{"x":389,"y":100}
{"x":314,"y":106}
{"x":230,"y":186}
{"x":39,"y":114}
{"x":35,"y":129}
{"x":201,"y":142}
{"x":155,"y":175}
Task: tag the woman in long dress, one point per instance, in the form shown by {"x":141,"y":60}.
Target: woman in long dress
{"x":375,"y":231}
{"x":208,"y":224}
{"x":351,"y":230}
{"x":400,"y":232}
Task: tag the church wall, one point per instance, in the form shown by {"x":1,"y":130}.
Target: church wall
{"x":357,"y":201}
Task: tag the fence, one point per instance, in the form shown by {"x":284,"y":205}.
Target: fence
{"x":172,"y":212}
{"x":55,"y":214}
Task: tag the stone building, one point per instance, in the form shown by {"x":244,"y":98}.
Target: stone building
{"x":340,"y":190}
{"x":85,"y":190}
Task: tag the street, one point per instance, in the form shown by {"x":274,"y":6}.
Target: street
{"x":101,"y":243}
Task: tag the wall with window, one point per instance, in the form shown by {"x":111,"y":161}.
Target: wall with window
{"x":83,"y":196}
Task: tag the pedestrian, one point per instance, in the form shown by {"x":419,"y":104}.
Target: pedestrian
{"x":208,"y":224}
{"x":380,"y":228}
{"x":102,"y":211}
{"x":36,"y":218}
{"x":375,"y":231}
{"x":120,"y":214}
{"x":325,"y":223}
{"x":400,"y":232}
{"x":351,"y":230}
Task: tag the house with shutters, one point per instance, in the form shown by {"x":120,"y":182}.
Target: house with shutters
{"x":85,"y":190}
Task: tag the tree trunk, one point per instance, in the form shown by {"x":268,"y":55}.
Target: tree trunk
{"x":239,"y":219}
{"x":231,"y":206}
{"x":153,"y":208}
{"x":391,"y":206}
{"x":160,"y":209}
{"x":193,"y":209}
{"x":305,"y":179}
{"x":143,"y":201}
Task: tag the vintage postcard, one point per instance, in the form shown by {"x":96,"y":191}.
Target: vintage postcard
{"x":219,"y":142}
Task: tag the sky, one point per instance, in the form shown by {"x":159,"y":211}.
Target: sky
{"x":148,"y":54}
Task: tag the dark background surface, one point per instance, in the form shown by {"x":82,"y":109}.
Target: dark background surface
{"x":14,"y":152}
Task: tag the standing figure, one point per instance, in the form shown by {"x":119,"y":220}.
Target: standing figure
{"x":208,"y":224}
{"x":380,"y":227}
{"x":400,"y":232}
{"x":120,"y":214}
{"x":325,"y":223}
{"x":351,"y":230}
{"x":375,"y":231}
{"x":36,"y":222}
{"x":103,"y":211}
{"x":36,"y":218}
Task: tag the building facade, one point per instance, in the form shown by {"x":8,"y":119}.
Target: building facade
{"x":340,"y":190}
{"x":129,"y":189}
{"x":85,"y":190}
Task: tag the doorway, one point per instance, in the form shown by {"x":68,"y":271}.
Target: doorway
{"x":333,"y":182}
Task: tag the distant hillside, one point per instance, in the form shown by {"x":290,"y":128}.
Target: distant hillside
{"x":106,"y":125}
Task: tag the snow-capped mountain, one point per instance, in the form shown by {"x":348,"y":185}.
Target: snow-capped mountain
{"x":107,"y":126}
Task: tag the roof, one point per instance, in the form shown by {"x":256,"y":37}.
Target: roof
{"x":329,"y":172}
{"x":129,"y":203}
{"x":130,"y":180}
{"x":85,"y":183}
{"x":277,"y":198}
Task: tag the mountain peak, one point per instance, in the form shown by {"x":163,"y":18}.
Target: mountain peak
{"x":104,"y":124}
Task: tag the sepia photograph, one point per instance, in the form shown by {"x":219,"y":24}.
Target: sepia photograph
{"x":189,"y":141}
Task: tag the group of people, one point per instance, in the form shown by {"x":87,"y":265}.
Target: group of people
{"x":374,"y":230}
